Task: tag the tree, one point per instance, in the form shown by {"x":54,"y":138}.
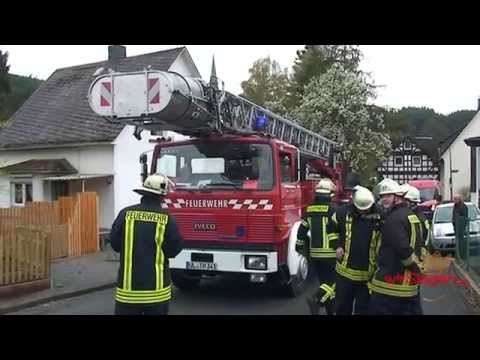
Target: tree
{"x":316,"y":60}
{"x":4,"y":69}
{"x":335,"y":104}
{"x":267,"y":85}
{"x":21,"y":87}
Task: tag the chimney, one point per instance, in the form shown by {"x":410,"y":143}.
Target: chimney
{"x":116,"y":52}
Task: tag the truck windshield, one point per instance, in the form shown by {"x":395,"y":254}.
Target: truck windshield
{"x":427,"y":194}
{"x":214,"y":165}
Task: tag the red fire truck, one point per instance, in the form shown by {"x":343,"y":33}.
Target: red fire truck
{"x":240,"y":183}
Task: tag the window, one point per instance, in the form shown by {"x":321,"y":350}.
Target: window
{"x":218,"y":165}
{"x":286,"y":168}
{"x":21,"y":193}
{"x":407,"y":145}
{"x":398,"y":161}
{"x":417,"y":161}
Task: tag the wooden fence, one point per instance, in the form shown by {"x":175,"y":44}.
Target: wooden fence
{"x":67,"y":227}
{"x":24,"y":256}
{"x":71,"y":222}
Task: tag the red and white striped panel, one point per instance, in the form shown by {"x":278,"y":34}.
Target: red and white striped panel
{"x":106,"y":94}
{"x":234,"y":204}
{"x":251,"y":204}
{"x":154,"y":91}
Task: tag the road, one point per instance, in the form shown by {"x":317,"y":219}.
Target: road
{"x":229,"y":296}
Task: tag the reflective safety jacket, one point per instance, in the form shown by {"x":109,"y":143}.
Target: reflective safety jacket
{"x":319,"y":220}
{"x":146,"y":237}
{"x":425,"y":227}
{"x":359,"y":236}
{"x":399,"y":259}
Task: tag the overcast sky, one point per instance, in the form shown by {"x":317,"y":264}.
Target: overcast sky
{"x":445,"y":78}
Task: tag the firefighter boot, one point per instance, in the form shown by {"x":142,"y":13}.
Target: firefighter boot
{"x":330,"y":307}
{"x":314,"y":305}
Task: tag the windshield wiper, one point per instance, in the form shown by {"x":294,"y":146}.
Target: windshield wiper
{"x":224,"y":183}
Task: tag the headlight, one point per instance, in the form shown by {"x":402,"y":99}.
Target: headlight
{"x":256,"y":262}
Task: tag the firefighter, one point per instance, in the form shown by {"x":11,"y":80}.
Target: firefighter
{"x":395,"y":284}
{"x":358,"y":227}
{"x":413,"y":198}
{"x":146,"y":237}
{"x":386,"y":195}
{"x":317,"y":240}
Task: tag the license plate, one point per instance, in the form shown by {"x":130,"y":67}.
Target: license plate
{"x":197,"y":265}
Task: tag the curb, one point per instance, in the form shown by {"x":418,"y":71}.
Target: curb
{"x":472,"y":294}
{"x":47,"y":299}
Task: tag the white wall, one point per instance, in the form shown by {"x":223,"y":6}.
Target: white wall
{"x":4,"y":192}
{"x":93,"y":159}
{"x":106,"y":197}
{"x":460,"y":155}
{"x":37,"y":189}
{"x":127,"y":168}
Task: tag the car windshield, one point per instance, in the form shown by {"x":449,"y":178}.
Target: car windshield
{"x":214,"y":165}
{"x":426,"y":194}
{"x":444,"y":213}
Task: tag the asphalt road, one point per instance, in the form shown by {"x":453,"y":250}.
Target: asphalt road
{"x":230,"y":296}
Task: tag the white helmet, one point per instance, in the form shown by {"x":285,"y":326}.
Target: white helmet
{"x":156,"y":184}
{"x":363,"y":198}
{"x":388,"y":186}
{"x":325,"y":186}
{"x":402,"y":190}
{"x":413,"y":194}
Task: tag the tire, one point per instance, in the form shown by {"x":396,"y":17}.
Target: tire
{"x":298,"y":282}
{"x":184,"y":282}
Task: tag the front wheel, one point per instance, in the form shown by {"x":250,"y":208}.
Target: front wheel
{"x":298,"y":282}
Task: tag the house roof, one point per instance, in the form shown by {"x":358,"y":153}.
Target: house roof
{"x":473,"y":141}
{"x":44,"y":167}
{"x":58,"y":111}
{"x":445,"y":143}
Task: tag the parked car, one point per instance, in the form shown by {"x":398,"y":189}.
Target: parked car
{"x":443,"y":236}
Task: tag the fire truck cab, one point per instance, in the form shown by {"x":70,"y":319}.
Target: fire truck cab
{"x":238,"y":201}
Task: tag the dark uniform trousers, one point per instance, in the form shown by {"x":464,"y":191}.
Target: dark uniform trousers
{"x":157,"y":309}
{"x":325,"y":270}
{"x":350,"y":293}
{"x":389,"y":305}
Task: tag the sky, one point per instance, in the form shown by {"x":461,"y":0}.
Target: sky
{"x":445,"y":78}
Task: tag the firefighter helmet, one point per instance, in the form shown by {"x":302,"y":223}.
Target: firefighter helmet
{"x":325,"y":186}
{"x":413,"y":194}
{"x":388,"y":186}
{"x":402,"y":190}
{"x":363,"y":198}
{"x":156,"y":184}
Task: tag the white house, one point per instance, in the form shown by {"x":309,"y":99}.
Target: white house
{"x":55,"y":145}
{"x":455,"y":169}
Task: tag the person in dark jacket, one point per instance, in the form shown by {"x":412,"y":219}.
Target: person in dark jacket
{"x":146,"y":236}
{"x":358,"y":227}
{"x":459,"y":220}
{"x":317,"y":240}
{"x":395,"y":283}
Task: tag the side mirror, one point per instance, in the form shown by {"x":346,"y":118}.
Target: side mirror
{"x":144,"y":168}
